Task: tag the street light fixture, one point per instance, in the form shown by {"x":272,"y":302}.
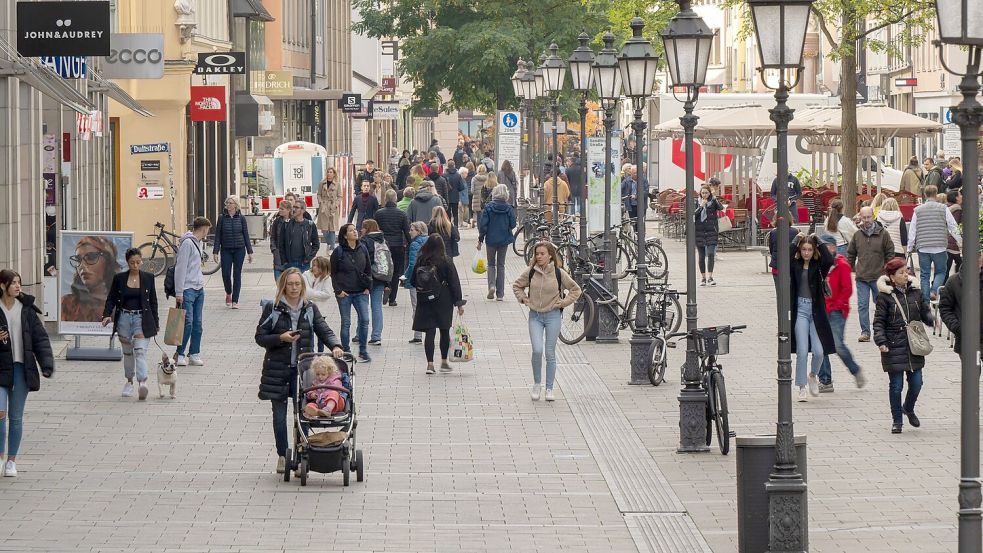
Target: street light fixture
{"x":582,"y":76}
{"x":553,"y":72}
{"x":687,"y":43}
{"x":607,"y":81}
{"x":780,"y":28}
{"x":637,"y":64}
{"x":961,"y":24}
{"x":517,"y":79}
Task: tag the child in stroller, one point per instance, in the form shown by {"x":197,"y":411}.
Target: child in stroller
{"x":325,"y":402}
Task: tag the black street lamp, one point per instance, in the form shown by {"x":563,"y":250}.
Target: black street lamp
{"x":637,"y":64}
{"x":554,"y":70}
{"x":961,"y":24}
{"x":519,"y":88}
{"x":540,"y":81}
{"x":607,"y":80}
{"x":687,"y":43}
{"x":582,"y":76}
{"x":529,"y":93}
{"x":780,"y":30}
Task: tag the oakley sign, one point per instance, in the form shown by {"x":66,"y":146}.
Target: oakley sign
{"x":135,"y":56}
{"x":225,"y":63}
{"x":63,"y":28}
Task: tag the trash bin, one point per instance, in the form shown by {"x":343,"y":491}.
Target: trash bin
{"x":755,"y":461}
{"x":257,"y":227}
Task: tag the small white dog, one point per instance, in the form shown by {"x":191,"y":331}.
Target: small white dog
{"x":166,"y":375}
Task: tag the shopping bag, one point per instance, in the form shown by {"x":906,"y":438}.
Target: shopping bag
{"x":174,"y":330}
{"x":462,"y":349}
{"x":724,"y":223}
{"x":479,"y":264}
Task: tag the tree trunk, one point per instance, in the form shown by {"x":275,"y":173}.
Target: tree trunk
{"x":848,"y":105}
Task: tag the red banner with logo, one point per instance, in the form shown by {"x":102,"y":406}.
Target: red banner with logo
{"x":208,"y":103}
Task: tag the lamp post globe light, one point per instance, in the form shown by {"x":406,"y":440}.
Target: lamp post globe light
{"x":780,"y":29}
{"x":637,"y":64}
{"x":607,"y":81}
{"x":554,"y":70}
{"x":687,"y":43}
{"x":961,"y":24}
{"x":581,"y":64}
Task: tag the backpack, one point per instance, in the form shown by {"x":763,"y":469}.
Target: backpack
{"x":559,"y":279}
{"x":426,"y":280}
{"x":169,"y":291}
{"x":382,"y":262}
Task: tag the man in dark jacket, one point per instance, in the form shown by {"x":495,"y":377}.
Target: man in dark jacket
{"x":367,"y":174}
{"x":870,"y":248}
{"x":794,"y":191}
{"x":279,"y":221}
{"x":439,"y":182}
{"x":455,"y":185}
{"x":495,"y":224}
{"x":421,"y":208}
{"x":575,"y":176}
{"x":395,"y":226}
{"x":298,"y":242}
{"x":933,"y":175}
{"x":950,"y":308}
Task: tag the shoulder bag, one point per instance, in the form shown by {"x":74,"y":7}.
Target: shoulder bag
{"x":918,"y":341}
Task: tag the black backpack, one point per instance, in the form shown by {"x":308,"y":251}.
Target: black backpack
{"x":426,"y":280}
{"x":169,"y":291}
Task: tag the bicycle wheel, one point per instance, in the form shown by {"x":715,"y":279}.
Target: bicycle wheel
{"x":155,"y":258}
{"x":674,"y":315}
{"x":719,"y":399}
{"x":657,"y":361}
{"x":708,"y":386}
{"x":624,"y":259}
{"x":210,"y":264}
{"x":577,"y":318}
{"x":518,"y":241}
{"x":658,"y":263}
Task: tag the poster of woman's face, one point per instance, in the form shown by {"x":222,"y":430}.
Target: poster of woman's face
{"x":88,"y":261}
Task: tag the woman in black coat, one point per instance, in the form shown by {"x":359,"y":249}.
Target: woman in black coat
{"x":899,"y":299}
{"x":286,"y":330}
{"x":23,"y":346}
{"x":707,"y":210}
{"x":438,"y":291}
{"x":132,"y":308}
{"x":232,"y":240}
{"x":810,"y":265}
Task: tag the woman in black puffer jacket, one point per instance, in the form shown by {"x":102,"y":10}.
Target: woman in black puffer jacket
{"x":286,"y":330}
{"x":232,"y":240}
{"x":707,"y":211}
{"x":900,"y":299}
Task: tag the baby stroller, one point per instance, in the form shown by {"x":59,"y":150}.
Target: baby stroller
{"x":324,"y":444}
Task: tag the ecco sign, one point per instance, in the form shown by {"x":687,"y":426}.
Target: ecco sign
{"x":135,"y":56}
{"x":63,"y":28}
{"x":225,"y":63}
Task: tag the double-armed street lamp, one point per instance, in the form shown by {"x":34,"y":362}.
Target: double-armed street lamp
{"x":540,"y":83}
{"x":607,"y":80}
{"x":637,"y":64}
{"x":961,"y":24}
{"x":519,"y":89}
{"x":687,"y":43}
{"x":554,"y":70}
{"x":582,"y":76}
{"x":780,"y":30}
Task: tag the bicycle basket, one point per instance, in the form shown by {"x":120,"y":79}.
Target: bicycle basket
{"x":714,"y":340}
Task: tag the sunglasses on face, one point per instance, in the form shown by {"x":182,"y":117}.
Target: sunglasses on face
{"x":90,"y":258}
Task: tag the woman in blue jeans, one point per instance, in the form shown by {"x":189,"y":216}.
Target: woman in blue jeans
{"x":23,"y":346}
{"x":232,"y":240}
{"x":546,"y":289}
{"x":810,"y":265}
{"x":351,"y":278}
{"x":372,"y":237}
{"x":838,"y":307}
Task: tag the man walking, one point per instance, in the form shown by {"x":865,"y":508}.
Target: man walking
{"x":794,"y":191}
{"x":455,"y":186}
{"x":298,"y":242}
{"x":931,"y":225}
{"x":189,"y":285}
{"x":869,"y":250}
{"x":575,"y":174}
{"x":933,"y":174}
{"x":950,"y":307}
{"x":395,"y":227}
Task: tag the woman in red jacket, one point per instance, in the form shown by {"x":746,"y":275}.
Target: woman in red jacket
{"x":838,"y":307}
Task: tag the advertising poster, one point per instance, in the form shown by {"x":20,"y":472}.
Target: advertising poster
{"x":595,"y":182}
{"x":508,"y":138}
{"x":87,"y":262}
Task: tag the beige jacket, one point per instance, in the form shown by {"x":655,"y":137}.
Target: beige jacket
{"x":328,"y":206}
{"x":543,"y":293}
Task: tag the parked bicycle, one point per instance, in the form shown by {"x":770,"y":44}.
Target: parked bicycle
{"x":709,"y":343}
{"x":162,"y":252}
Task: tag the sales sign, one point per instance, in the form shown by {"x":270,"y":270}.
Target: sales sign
{"x":67,"y":67}
{"x":161,"y":147}
{"x":63,"y":28}
{"x":207,"y":103}
{"x":508,"y":139}
{"x":385,"y":111}
{"x":224,"y":63}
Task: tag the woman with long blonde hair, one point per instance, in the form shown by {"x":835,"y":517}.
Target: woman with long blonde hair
{"x":546,"y":289}
{"x":232,"y":240}
{"x":440,"y":223}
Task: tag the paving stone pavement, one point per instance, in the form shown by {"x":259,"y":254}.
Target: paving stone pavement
{"x":465,"y":461}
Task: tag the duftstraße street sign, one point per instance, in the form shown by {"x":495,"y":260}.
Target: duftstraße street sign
{"x":221,"y":63}
{"x":63,"y":28}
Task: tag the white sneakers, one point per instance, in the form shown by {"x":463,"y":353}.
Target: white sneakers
{"x":128,"y":389}
{"x":534,"y":392}
{"x":813,"y":385}
{"x":10,"y":469}
{"x":195,"y":360}
{"x":861,"y":379}
{"x":549,"y":394}
{"x":182,"y":361}
{"x":143,"y":391}
{"x":803,"y":394}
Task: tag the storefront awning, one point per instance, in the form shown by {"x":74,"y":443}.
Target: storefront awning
{"x":318,"y":95}
{"x":42,"y":78}
{"x":111,"y":89}
{"x":251,"y":9}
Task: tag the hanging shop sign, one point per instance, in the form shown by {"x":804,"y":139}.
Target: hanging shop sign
{"x":278,"y":83}
{"x":83,"y":125}
{"x":385,"y":111}
{"x":135,"y":56}
{"x":224,"y":63}
{"x":63,"y":28}
{"x":207,"y":103}
{"x":67,"y":67}
{"x":350,"y":103}
{"x":388,"y":86}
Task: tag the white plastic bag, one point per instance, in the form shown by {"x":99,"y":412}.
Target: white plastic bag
{"x":478,"y":263}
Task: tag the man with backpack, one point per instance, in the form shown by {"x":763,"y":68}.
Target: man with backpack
{"x":395,"y":226}
{"x":297,"y":241}
{"x":381,"y":264}
{"x":189,"y":290}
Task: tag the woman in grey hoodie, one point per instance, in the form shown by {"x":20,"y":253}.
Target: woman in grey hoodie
{"x":477,"y":183}
{"x":421,"y":208}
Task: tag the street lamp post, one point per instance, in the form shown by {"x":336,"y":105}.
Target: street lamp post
{"x":687,"y":44}
{"x":554,"y":70}
{"x":540,"y":81}
{"x":637,"y":64}
{"x":582,"y":76}
{"x":529,"y":88}
{"x":607,"y":80}
{"x":961,"y":24}
{"x":519,"y":89}
{"x":780,"y":29}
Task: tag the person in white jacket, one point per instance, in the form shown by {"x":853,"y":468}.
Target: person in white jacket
{"x":319,"y":290}
{"x":839,"y":227}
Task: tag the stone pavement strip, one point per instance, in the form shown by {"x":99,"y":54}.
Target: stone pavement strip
{"x":465,"y":461}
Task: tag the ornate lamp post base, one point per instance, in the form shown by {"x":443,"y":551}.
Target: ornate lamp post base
{"x":788,"y":516}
